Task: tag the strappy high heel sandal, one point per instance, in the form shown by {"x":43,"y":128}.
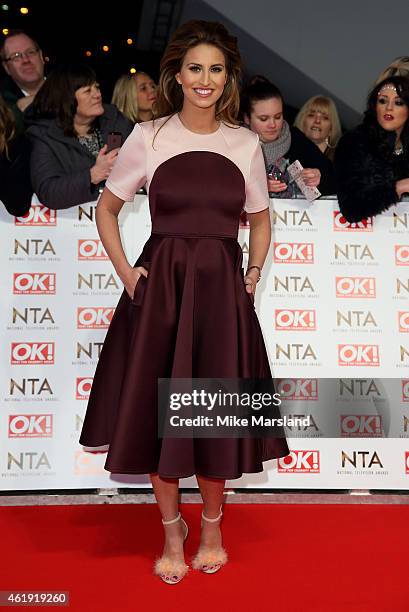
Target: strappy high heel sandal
{"x":210,"y":561}
{"x":169,"y":570}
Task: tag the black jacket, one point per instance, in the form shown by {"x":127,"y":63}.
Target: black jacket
{"x":11,"y":93}
{"x":15,"y":186}
{"x":366,"y":177}
{"x":310,"y":156}
{"x":60,"y":165}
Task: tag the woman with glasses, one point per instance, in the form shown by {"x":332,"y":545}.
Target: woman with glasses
{"x":69,"y":128}
{"x":134,"y":95}
{"x":23,"y":63}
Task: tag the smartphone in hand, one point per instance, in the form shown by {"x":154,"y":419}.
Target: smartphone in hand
{"x":114,"y":141}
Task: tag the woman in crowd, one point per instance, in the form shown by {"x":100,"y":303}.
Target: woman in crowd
{"x":318,"y":119}
{"x":399,"y":67}
{"x":69,"y":129}
{"x":372,"y":161}
{"x":134,"y":95}
{"x":187,"y":310}
{"x":262,"y":111}
{"x":15,"y":185}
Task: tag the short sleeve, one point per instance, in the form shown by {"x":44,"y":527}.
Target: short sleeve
{"x":257,"y":198}
{"x":129,"y":172}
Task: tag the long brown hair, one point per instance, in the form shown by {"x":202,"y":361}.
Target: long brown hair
{"x":7,"y":126}
{"x":187,"y":36}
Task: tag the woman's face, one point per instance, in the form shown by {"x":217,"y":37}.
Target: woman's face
{"x":391,"y":111}
{"x":145,"y":92}
{"x":203,"y":75}
{"x":317,"y":126}
{"x":89,"y":102}
{"x":266,"y":119}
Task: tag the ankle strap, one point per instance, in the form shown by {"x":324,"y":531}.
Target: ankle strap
{"x":213,"y":520}
{"x":172,"y":520}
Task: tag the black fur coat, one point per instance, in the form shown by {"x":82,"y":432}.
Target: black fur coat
{"x":367,"y":172}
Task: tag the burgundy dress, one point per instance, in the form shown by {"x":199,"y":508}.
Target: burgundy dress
{"x":192,"y":317}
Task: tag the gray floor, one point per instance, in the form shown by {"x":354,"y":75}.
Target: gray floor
{"x":115,"y":496}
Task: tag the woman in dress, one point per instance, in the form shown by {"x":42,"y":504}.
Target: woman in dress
{"x":318,"y":119}
{"x":262,"y":110}
{"x":134,"y":95}
{"x":372,"y":161}
{"x":187,"y":310}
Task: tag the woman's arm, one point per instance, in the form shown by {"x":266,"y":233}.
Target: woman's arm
{"x":259,"y":243}
{"x":106,"y":216}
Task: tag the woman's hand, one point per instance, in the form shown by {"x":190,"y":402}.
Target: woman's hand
{"x":311,"y":176}
{"x":132,"y":279}
{"x":402,"y":187}
{"x":103,"y":165}
{"x":275,"y":186}
{"x":250,"y":281}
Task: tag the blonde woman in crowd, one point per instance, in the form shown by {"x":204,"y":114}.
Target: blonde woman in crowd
{"x":134,"y":95}
{"x":399,"y":67}
{"x":319,"y":121}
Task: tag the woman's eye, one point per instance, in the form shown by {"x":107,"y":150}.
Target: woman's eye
{"x":399,"y":103}
{"x":194,"y":68}
{"x":216,"y":69}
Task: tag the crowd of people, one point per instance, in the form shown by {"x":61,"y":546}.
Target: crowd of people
{"x":56,"y":134}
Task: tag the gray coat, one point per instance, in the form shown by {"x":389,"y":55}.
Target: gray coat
{"x":60,"y":165}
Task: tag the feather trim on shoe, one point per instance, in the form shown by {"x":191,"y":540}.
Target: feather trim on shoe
{"x":209,"y":557}
{"x":171,"y":568}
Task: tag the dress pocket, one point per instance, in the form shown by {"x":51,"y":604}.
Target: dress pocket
{"x":140,"y":287}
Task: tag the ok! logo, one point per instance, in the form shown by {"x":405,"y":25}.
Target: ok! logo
{"x":295,"y":320}
{"x":300,"y":462}
{"x":355,"y":287}
{"x":340,"y":224}
{"x":38,"y":215}
{"x":91,"y":249}
{"x":34,"y":283}
{"x":94,"y":317}
{"x":294,"y":252}
{"x":405,"y":390}
{"x":32,"y":353}
{"x":403,"y":321}
{"x":402,"y":254}
{"x":298,"y":389}
{"x":83,"y":387}
{"x":358,"y":355}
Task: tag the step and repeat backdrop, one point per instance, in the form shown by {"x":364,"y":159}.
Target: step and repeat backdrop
{"x":333,"y":305}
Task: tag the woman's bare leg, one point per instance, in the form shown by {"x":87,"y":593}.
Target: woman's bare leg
{"x":167,"y":495}
{"x":211,"y":490}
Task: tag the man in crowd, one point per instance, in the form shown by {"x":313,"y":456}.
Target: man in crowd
{"x":22,"y":59}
